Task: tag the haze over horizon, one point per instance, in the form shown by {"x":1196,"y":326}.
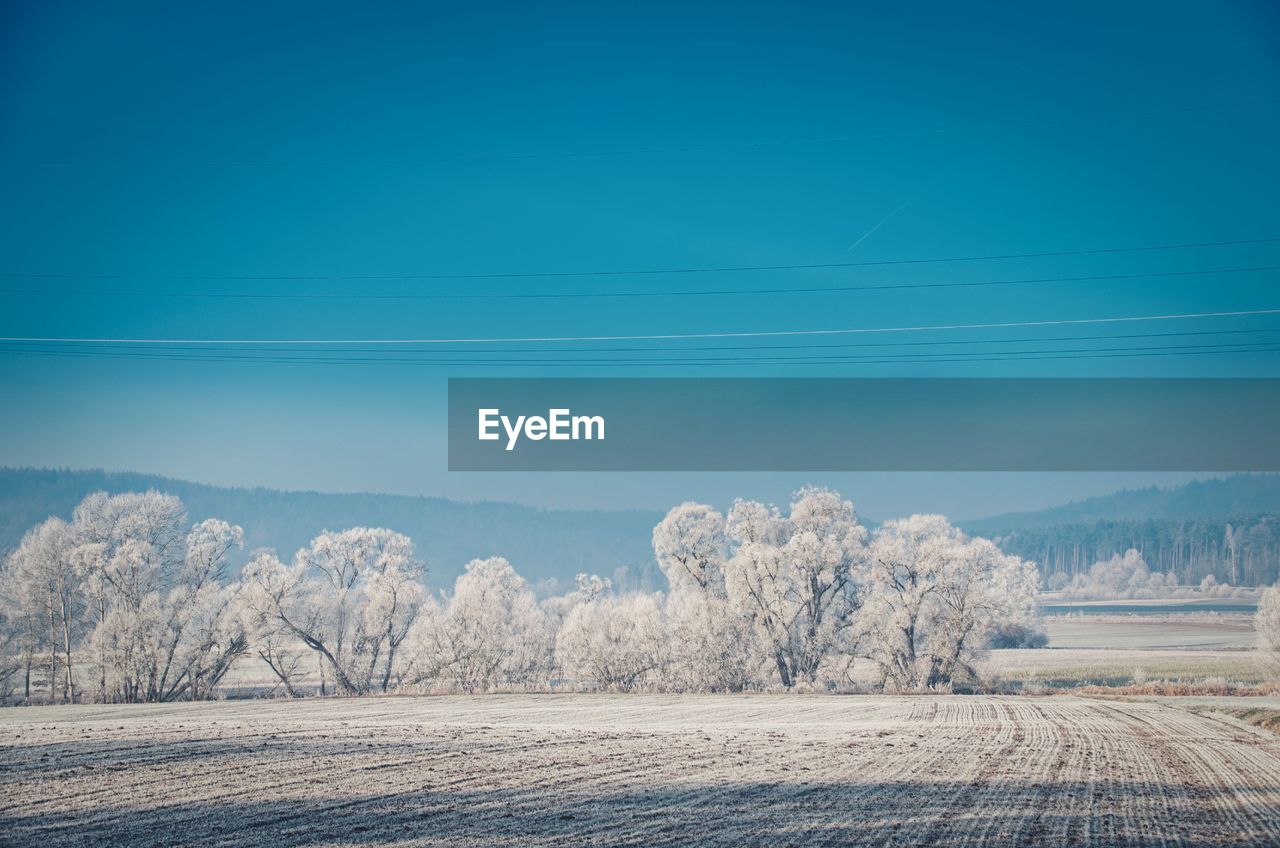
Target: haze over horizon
{"x":877,"y":495}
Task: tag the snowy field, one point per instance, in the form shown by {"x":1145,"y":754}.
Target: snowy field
{"x":638,"y":770}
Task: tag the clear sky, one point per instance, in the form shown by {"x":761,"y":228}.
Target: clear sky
{"x":155,"y":159}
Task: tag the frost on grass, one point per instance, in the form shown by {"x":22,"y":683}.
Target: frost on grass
{"x":731,"y":770}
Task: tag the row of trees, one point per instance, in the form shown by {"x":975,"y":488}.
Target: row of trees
{"x":1128,"y":576}
{"x":1244,"y":551}
{"x":126,"y":602}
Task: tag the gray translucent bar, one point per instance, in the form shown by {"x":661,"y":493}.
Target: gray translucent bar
{"x":874,"y":424}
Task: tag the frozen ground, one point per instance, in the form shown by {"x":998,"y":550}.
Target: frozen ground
{"x":638,"y":770}
{"x":1069,"y":667}
{"x":1195,"y":631}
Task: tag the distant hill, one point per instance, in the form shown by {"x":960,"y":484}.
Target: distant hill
{"x":1226,"y":528}
{"x":541,"y":544}
{"x":1225,"y":498}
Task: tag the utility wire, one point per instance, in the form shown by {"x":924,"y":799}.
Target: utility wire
{"x":659,"y":336}
{"x":724,"y":269}
{"x":684,"y":348}
{"x":1003,"y":357}
{"x":635,"y":294}
{"x":308,"y":356}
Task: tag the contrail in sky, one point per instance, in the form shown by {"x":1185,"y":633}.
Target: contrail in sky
{"x":887,"y":218}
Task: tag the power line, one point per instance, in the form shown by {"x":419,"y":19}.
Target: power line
{"x":725,"y":269}
{"x":768,"y":361}
{"x":308,"y":356}
{"x":685,"y":348}
{"x":637,"y":294}
{"x":659,"y":336}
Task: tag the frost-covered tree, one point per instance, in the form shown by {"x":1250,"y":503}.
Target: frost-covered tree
{"x":163,"y":623}
{"x":490,"y":632}
{"x":689,"y":545}
{"x":616,"y":642}
{"x":710,"y":647}
{"x":556,"y":608}
{"x":12,"y":659}
{"x":936,"y":597}
{"x":203,"y":634}
{"x":23,"y":635}
{"x":797,"y":579}
{"x":1120,"y":576}
{"x":586,"y":588}
{"x":1266,"y":625}
{"x":351,"y":597}
{"x":1231,"y":541}
{"x":44,"y":603}
{"x":265,"y":580}
{"x":127,"y":545}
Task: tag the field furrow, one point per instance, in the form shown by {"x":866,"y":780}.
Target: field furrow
{"x":638,"y":770}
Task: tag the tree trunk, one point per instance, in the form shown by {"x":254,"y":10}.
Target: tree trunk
{"x":784,"y":672}
{"x":69,"y":689}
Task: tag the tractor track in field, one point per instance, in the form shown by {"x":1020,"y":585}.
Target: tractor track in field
{"x":638,"y":770}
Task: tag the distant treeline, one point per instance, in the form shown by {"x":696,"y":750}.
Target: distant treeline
{"x":1243,"y":551}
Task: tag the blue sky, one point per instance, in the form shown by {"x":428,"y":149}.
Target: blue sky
{"x":155,"y":151}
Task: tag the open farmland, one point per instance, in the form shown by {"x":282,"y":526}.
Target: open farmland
{"x":638,"y":770}
{"x":1071,"y":667}
{"x":1193,"y":631}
